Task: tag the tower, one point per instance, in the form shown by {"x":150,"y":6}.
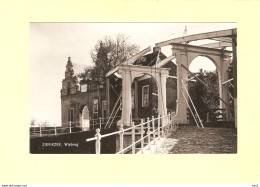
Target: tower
{"x":69,"y":89}
{"x":79,"y":98}
{"x":70,"y":83}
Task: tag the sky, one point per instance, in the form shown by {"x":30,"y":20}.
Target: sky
{"x":52,"y":43}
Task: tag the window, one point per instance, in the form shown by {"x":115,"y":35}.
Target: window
{"x":95,"y":106}
{"x":145,"y":95}
{"x":133,"y":98}
{"x":104,"y":105}
{"x":104,"y":108}
{"x":84,"y":87}
{"x":71,"y":114}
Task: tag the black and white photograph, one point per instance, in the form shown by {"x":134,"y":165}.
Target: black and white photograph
{"x":133,"y":88}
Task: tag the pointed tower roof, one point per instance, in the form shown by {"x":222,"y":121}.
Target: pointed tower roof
{"x":69,"y":69}
{"x":69,"y":63}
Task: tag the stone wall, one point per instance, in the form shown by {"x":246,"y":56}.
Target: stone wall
{"x":78,"y":101}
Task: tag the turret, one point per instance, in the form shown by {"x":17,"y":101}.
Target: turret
{"x":70,"y":83}
{"x":69,"y":69}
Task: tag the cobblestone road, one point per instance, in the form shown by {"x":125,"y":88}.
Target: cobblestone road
{"x":190,"y":139}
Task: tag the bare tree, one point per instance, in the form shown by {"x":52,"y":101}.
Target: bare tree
{"x":33,"y":122}
{"x":44,"y":123}
{"x":106,"y":54}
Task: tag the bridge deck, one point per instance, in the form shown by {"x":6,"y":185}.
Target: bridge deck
{"x":190,"y":139}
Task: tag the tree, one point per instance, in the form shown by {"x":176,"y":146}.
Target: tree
{"x":45,"y":124}
{"x":106,"y":54}
{"x":33,"y":122}
{"x":209,"y":99}
{"x":203,"y":99}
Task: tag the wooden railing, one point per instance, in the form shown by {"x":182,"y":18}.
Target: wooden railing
{"x":160,"y":131}
{"x":68,"y":127}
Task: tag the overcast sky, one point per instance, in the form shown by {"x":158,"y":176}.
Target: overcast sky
{"x":52,"y":43}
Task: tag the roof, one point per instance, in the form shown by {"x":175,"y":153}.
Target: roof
{"x":150,"y":59}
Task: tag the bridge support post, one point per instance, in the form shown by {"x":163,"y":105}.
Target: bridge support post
{"x":148,"y":132}
{"x":159,"y":122}
{"x":181,"y":106}
{"x":100,"y":122}
{"x":164,"y":125}
{"x":133,"y":138}
{"x":98,"y":143}
{"x":142,"y":136}
{"x":224,"y":89}
{"x":126,"y":98}
{"x":153,"y":129}
{"x":162,"y":108}
{"x":121,"y":134}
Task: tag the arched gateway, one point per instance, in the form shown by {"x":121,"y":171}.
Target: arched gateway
{"x":184,"y":55}
{"x":85,"y":118}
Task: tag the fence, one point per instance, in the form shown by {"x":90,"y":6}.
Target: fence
{"x":70,"y":127}
{"x":161,"y":130}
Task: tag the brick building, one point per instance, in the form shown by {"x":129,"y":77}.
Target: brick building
{"x":77,"y":95}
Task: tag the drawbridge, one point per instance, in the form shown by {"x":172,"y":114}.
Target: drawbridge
{"x":183,"y":53}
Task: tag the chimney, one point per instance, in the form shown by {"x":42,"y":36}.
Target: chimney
{"x":201,"y":71}
{"x":156,"y":49}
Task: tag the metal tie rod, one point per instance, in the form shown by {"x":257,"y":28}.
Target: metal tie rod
{"x":192,"y":103}
{"x":207,"y":87}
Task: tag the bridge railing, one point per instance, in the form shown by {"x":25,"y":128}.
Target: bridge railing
{"x":155,"y":130}
{"x":70,"y":127}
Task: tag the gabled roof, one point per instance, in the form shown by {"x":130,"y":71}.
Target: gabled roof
{"x":150,"y":59}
